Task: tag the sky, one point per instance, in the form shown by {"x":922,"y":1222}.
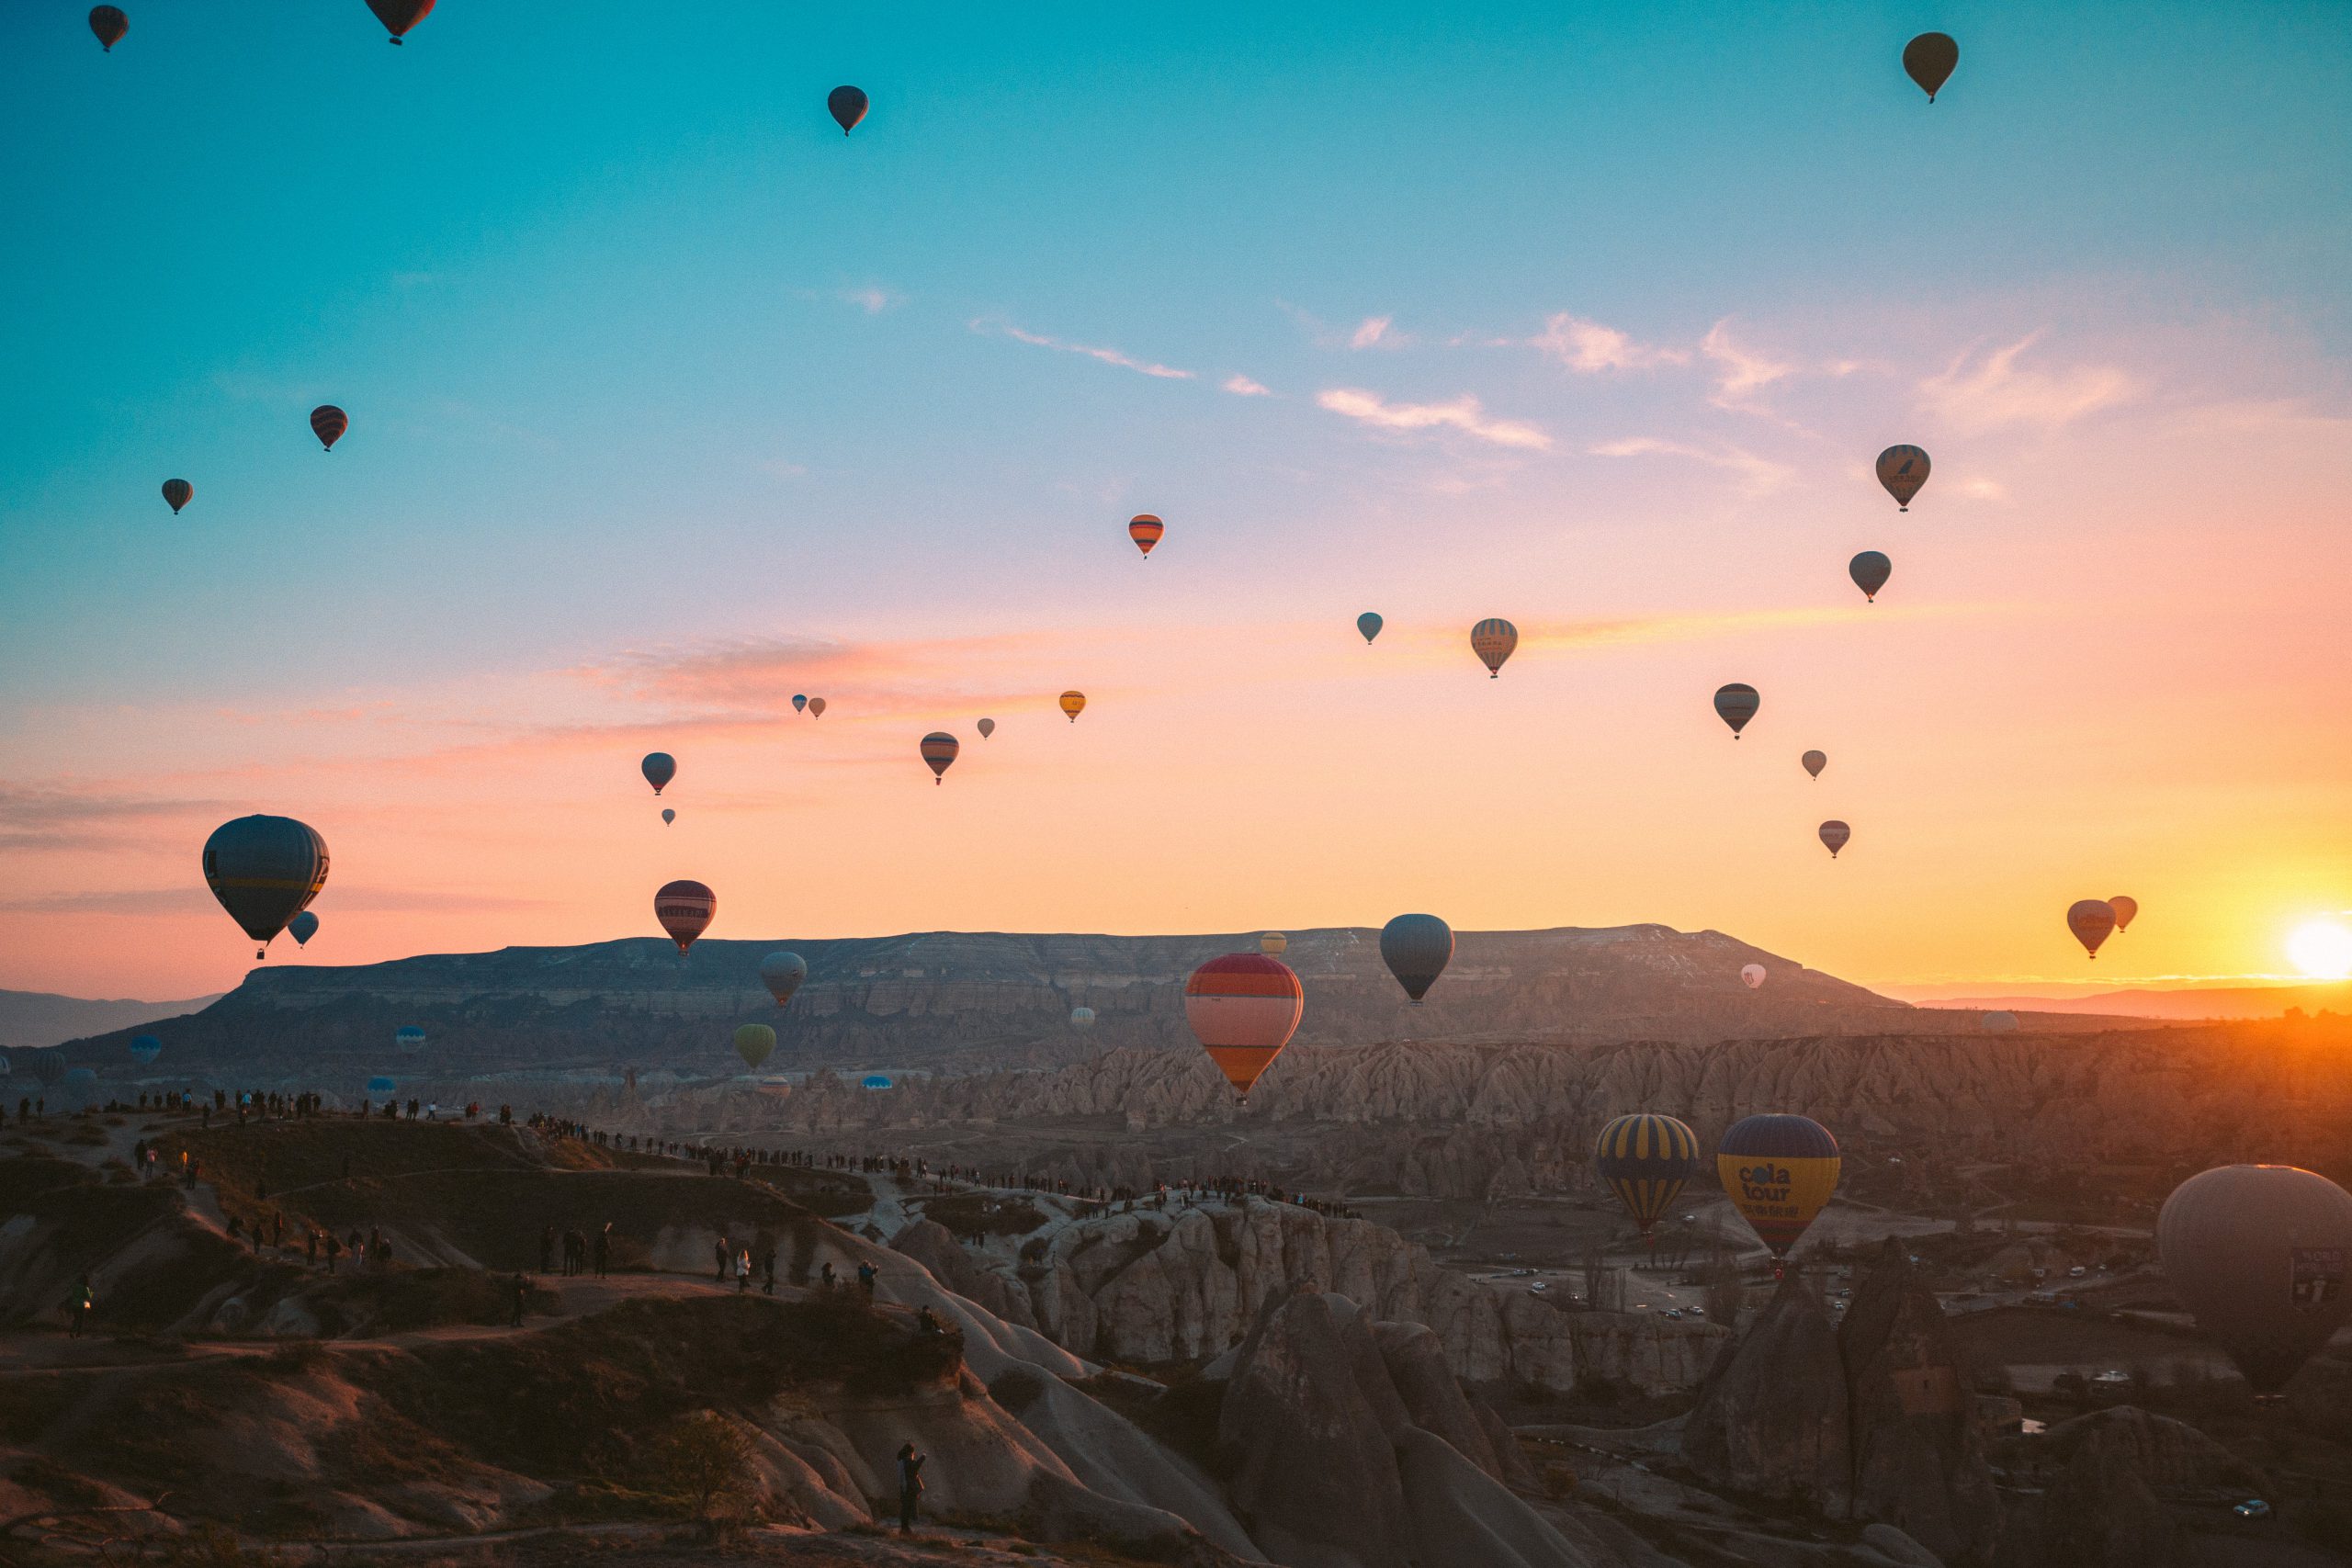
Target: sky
{"x":668,"y":402}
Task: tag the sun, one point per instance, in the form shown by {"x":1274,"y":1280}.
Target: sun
{"x":2322,"y":949}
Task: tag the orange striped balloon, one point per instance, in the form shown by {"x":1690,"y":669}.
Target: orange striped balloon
{"x":1073,"y":704}
{"x":1144,"y":530}
{"x":1244,"y":1008}
{"x":939,"y":749}
{"x":686,"y":910}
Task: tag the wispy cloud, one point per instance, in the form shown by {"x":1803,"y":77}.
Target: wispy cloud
{"x":1739,"y":374}
{"x":987,"y":326}
{"x":1983,"y":394}
{"x":1758,"y":476}
{"x":1464,"y":413}
{"x":1243,"y":386}
{"x":872,"y":298}
{"x":1373,"y":332}
{"x":1588,"y":347}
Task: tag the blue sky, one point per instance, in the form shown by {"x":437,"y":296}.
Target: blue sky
{"x":642,"y":355}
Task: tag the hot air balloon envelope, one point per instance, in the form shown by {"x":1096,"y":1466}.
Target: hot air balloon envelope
{"x":1999,"y":1023}
{"x":1736,"y":705}
{"x":658,"y":769}
{"x":265,"y":870}
{"x":754,"y":1042}
{"x":987,"y":727}
{"x":1243,"y":1009}
{"x":399,"y":16}
{"x":109,"y":24}
{"x":799,"y":702}
{"x":1870,"y":571}
{"x":1082,"y":1018}
{"x":49,"y":1066}
{"x":847,"y":105}
{"x":1274,"y":944}
{"x":1417,"y":948}
{"x":145,"y":1049}
{"x":1929,"y":61}
{"x":302,"y":928}
{"x":1903,"y":470}
{"x":381,"y":1085}
{"x":686,"y":910}
{"x":1779,"y":1171}
{"x":1144,"y":530}
{"x":2091,"y":921}
{"x":1751,"y":974}
{"x":939,"y":749}
{"x":816,"y":707}
{"x":2127,"y":910}
{"x":782,"y":973}
{"x":1492,"y":640}
{"x":1073,"y":704}
{"x":1646,"y":1158}
{"x":873,"y":1080}
{"x":178,"y":493}
{"x":668,"y":816}
{"x":1835,"y":833}
{"x":409,"y":1037}
{"x":1814,"y":762}
{"x":2261,"y":1255}
{"x":328,"y":422}
{"x":1369,"y":625}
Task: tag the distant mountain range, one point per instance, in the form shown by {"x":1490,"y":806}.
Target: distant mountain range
{"x":2186,"y":1005}
{"x":37,"y":1018}
{"x":958,"y":1002}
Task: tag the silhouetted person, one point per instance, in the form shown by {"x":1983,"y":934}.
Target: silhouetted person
{"x":926,"y":1320}
{"x":909,"y":1487}
{"x":521,"y":1292}
{"x":866,"y":1275}
{"x":85,"y":1302}
{"x":604,"y":1248}
{"x":720,"y":1252}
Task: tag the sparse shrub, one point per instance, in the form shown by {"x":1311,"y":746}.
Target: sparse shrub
{"x":703,"y":1459}
{"x":210,"y":1544}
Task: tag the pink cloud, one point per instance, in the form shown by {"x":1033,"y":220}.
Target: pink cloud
{"x":1107,"y":355}
{"x":1243,"y":386}
{"x":1588,"y":347}
{"x":1464,"y":413}
{"x":1758,"y":476}
{"x":1996,"y":390}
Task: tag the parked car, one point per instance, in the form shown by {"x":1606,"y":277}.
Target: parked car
{"x":2252,"y":1508}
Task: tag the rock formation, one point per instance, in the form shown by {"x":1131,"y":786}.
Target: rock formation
{"x":1772,"y":1416}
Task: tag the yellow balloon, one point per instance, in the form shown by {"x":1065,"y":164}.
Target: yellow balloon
{"x":1073,"y":704}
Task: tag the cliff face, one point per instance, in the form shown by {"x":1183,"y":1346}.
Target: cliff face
{"x":959,"y":1001}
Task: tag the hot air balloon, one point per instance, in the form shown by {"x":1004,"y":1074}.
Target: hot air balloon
{"x":1751,"y":974}
{"x":873,"y":1080}
{"x":686,"y":910}
{"x":1369,"y":625}
{"x":49,"y":1068}
{"x":145,"y":1049}
{"x":782,"y":973}
{"x":1244,"y":1008}
{"x":847,"y":105}
{"x":939,"y":749}
{"x":1870,"y":571}
{"x":1492,"y":640}
{"x":1835,"y":833}
{"x":1646,"y":1158}
{"x":1778,"y":1170}
{"x":109,"y":24}
{"x":1274,"y":944}
{"x":328,"y":422}
{"x":658,"y":769}
{"x":1081,"y":1018}
{"x":1736,"y":705}
{"x":381,"y":1085}
{"x":265,"y":870}
{"x":799,"y":703}
{"x":1073,"y":704}
{"x":1814,"y":762}
{"x":668,"y":816}
{"x":2127,"y":910}
{"x":408,"y":1037}
{"x":1929,"y":59}
{"x":1417,"y":948}
{"x":754,"y":1042}
{"x":178,"y":493}
{"x":302,"y":928}
{"x":1998,"y":1023}
{"x":1144,"y":530}
{"x":987,"y":727}
{"x":2091,"y":921}
{"x":1903,"y":470}
{"x":399,"y":16}
{"x":2259,"y":1253}
{"x":816,"y":707}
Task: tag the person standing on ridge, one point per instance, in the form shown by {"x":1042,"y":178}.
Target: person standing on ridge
{"x":909,"y":1487}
